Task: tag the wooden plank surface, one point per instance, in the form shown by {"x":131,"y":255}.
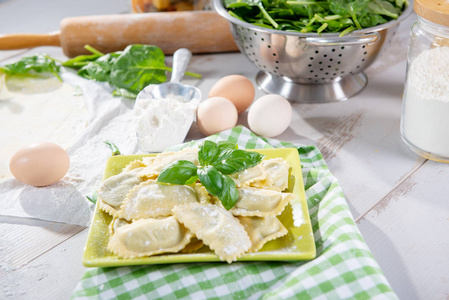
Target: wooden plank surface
{"x":40,"y":261}
{"x":408,"y":233}
{"x":400,"y":201}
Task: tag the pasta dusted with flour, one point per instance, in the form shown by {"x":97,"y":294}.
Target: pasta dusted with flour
{"x":260,"y":202}
{"x":216,"y":227}
{"x":156,"y":164}
{"x":149,"y":237}
{"x":262,"y":230}
{"x":151,"y":218}
{"x":151,"y":200}
{"x":114,"y":190}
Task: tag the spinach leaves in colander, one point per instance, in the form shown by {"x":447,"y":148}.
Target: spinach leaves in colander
{"x":319,"y":16}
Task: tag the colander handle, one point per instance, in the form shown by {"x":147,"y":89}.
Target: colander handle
{"x":345,"y":40}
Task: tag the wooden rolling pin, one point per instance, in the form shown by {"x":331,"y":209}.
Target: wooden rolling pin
{"x":199,"y":31}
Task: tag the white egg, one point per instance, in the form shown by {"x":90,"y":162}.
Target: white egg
{"x":216,"y":114}
{"x":270,"y":115}
{"x":40,"y":164}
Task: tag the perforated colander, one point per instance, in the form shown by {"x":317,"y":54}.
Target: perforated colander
{"x":310,"y":67}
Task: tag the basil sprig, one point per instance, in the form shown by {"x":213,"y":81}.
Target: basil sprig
{"x":217,"y":161}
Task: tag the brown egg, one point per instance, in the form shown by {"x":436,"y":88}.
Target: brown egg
{"x":236,"y":88}
{"x":40,"y":164}
{"x":216,"y":114}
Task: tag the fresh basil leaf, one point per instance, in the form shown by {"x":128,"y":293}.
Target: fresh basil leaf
{"x":212,"y":179}
{"x":207,"y":153}
{"x":238,"y":160}
{"x":139,"y":66}
{"x":210,"y":152}
{"x":224,"y":145}
{"x":219,"y":185}
{"x":179,"y":172}
{"x":229,"y":195}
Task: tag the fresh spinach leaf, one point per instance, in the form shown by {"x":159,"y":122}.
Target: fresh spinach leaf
{"x":100,"y":69}
{"x":32,"y":65}
{"x":124,"y":93}
{"x":304,"y":16}
{"x":139,"y":66}
{"x":80,"y":61}
{"x":381,"y":7}
{"x":128,"y":71}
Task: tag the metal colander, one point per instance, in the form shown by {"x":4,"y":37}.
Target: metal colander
{"x":311,"y":67}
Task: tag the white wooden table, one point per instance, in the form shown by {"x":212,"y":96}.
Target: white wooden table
{"x":399,"y":200}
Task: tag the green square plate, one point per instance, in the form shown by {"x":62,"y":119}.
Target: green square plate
{"x":298,"y":244}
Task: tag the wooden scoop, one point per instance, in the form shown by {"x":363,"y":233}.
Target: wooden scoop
{"x":198,"y":31}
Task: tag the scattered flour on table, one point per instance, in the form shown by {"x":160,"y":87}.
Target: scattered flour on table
{"x":109,"y":119}
{"x":425,"y":121}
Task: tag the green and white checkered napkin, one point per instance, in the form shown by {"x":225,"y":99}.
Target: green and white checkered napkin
{"x":343,"y":269}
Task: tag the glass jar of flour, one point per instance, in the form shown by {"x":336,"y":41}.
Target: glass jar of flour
{"x":425,"y":109}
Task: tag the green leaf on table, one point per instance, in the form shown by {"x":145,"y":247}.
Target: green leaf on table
{"x":139,"y":66}
{"x":99,"y":69}
{"x":124,"y":93}
{"x":33,"y":65}
{"x":80,"y":61}
{"x":113,"y":147}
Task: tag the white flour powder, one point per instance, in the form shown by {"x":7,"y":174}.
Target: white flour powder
{"x":425,"y":121}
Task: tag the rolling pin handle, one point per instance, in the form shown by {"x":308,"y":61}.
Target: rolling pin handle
{"x":22,"y":41}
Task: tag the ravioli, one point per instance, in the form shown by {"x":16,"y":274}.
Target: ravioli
{"x":216,"y":227}
{"x":250,"y":175}
{"x":194,"y":245}
{"x":277,"y":175}
{"x":260,"y":202}
{"x":151,"y":218}
{"x":134,"y":165}
{"x":151,"y":199}
{"x":162,"y":160}
{"x":147,"y":237}
{"x":113,"y":190}
{"x":116,"y":223}
{"x":262,"y":230}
